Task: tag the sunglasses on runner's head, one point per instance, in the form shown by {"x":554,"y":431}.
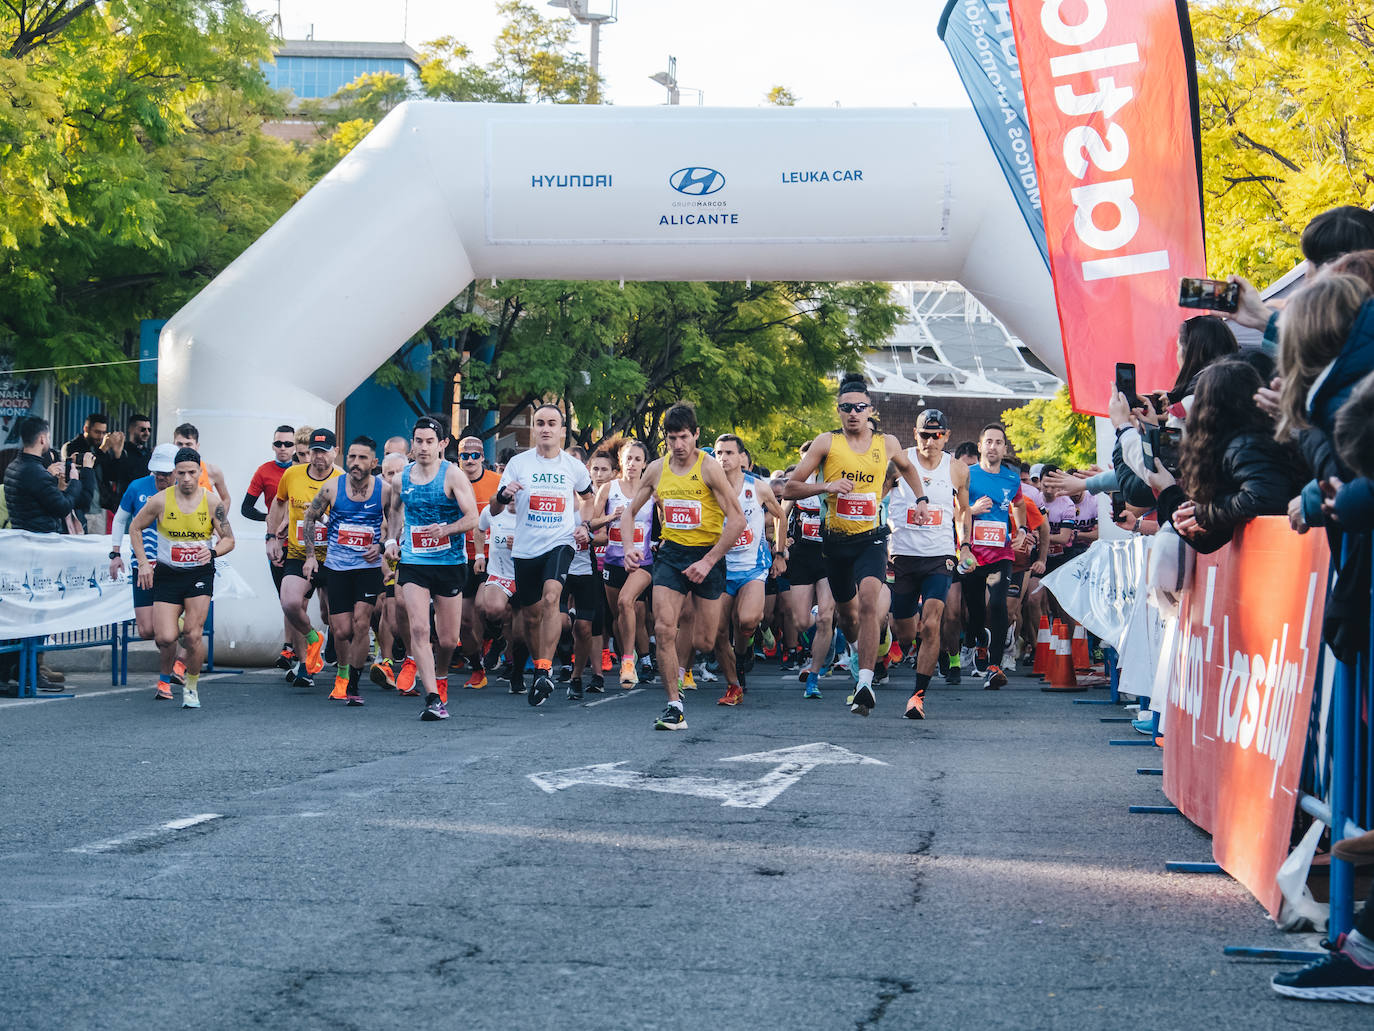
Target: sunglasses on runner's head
{"x":469,"y":456}
{"x":854,"y":406}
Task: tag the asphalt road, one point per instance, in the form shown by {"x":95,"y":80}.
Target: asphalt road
{"x":356,"y":868}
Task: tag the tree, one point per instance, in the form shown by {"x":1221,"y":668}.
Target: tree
{"x":780,"y":96}
{"x":1049,"y":430}
{"x":1284,"y":91}
{"x":135,"y":170}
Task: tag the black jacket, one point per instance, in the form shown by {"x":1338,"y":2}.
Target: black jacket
{"x":1258,"y":476}
{"x":34,"y":500}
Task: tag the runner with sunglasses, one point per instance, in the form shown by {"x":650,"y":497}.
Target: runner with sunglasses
{"x":264,"y":485}
{"x":924,"y":547}
{"x":853,"y":465}
{"x":472,"y":461}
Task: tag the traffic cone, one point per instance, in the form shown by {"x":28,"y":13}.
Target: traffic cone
{"x":1061,"y":663}
{"x":1041,"y":667}
{"x":1082,"y":661}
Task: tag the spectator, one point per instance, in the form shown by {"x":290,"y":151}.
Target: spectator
{"x":302,"y":452}
{"x":37,"y":502}
{"x":129,"y":452}
{"x":1231,"y":468}
{"x":1201,"y":341}
{"x":92,"y":439}
{"x":1353,"y":434}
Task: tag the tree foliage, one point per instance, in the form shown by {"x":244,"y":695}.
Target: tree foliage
{"x":1049,"y":430}
{"x":134,"y":170}
{"x":780,"y":96}
{"x":1284,"y":93}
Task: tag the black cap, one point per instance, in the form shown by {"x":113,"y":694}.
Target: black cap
{"x":322,"y":440}
{"x":932,"y":419}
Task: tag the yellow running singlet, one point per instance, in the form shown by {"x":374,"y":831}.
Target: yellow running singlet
{"x":858,"y":511}
{"x":692,"y":516}
{"x":182,"y":534}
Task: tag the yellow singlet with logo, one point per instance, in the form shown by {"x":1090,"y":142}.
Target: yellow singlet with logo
{"x":859,"y":510}
{"x":180,"y":535}
{"x":298,"y":488}
{"x":692,"y":516}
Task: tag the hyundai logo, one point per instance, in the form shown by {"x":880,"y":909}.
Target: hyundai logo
{"x":696,"y":182}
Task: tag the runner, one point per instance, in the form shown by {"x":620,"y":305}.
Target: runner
{"x":286,"y":522}
{"x":809,"y":587}
{"x":853,"y":465}
{"x":392,"y":629}
{"x":188,"y":517}
{"x":584,"y":590}
{"x":995,"y":493}
{"x":544,"y":484}
{"x":625,"y":586}
{"x":211,"y":477}
{"x":952,"y":658}
{"x":264,"y":484}
{"x":924,"y":546}
{"x":747,"y":565}
{"x":496,"y":595}
{"x":471,"y":461}
{"x":701,"y":520}
{"x":434,"y":506}
{"x":356,"y":505}
{"x":159,"y":478}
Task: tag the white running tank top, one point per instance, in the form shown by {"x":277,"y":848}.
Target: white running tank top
{"x":934,"y":538}
{"x":743,"y":556}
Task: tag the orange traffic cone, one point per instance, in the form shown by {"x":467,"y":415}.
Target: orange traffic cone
{"x":1061,"y":663}
{"x":1041,"y":668}
{"x":1082,"y":661}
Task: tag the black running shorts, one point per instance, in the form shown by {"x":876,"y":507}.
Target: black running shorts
{"x":441,"y":581}
{"x":531,"y":574}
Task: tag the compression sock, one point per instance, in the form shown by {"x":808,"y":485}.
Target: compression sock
{"x":865,"y":678}
{"x":922,"y":682}
{"x":441,"y":684}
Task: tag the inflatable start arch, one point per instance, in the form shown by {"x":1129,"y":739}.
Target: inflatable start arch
{"x":439,"y":194}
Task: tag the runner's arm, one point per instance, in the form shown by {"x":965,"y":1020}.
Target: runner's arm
{"x":796,"y":486}
{"x":714,"y":477}
{"x":460,"y":490}
{"x":217,"y":482}
{"x":770,"y":503}
{"x":643,"y":493}
{"x":963,"y":511}
{"x":220,"y":514}
{"x":901,"y":462}
{"x":321,"y":503}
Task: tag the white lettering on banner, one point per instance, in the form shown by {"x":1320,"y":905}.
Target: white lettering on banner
{"x":1094,"y":21}
{"x":1186,"y":689}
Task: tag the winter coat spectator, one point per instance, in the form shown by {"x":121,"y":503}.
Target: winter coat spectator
{"x":33,"y":493}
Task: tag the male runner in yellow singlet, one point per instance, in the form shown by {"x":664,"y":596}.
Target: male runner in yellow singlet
{"x":188,"y":517}
{"x":702,"y":519}
{"x":853,"y":463}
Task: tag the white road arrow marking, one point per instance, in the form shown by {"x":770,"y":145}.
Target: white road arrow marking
{"x":790,"y":765}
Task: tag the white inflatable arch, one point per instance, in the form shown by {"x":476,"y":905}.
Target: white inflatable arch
{"x":440,"y":193}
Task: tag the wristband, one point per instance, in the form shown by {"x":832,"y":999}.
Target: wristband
{"x":923,"y":498}
{"x":503,"y":497}
{"x":270,"y":536}
{"x":114,"y":554}
{"x":390,"y":542}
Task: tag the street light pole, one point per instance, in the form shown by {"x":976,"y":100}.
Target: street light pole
{"x":584,"y":15}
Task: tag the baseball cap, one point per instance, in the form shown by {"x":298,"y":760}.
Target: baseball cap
{"x":163,"y":459}
{"x":1036,"y":469}
{"x":322,"y":440}
{"x":932,"y":419}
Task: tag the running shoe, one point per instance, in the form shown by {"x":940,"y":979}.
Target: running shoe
{"x":745,"y":662}
{"x":314,"y":652}
{"x":190,"y":698}
{"x":813,"y":686}
{"x":966,"y":659}
{"x":647,"y":670}
{"x":340,"y":692}
{"x":734,"y":694}
{"x":804,"y":673}
{"x":517,"y":685}
{"x":477,"y":681}
{"x":672,"y":718}
{"x":331,"y":657}
{"x":575,"y":691}
{"x":628,"y":677}
{"x":996,"y":679}
{"x":915,"y":707}
{"x":955,"y":665}
{"x":1335,"y":977}
{"x":303,"y":680}
{"x":980,"y":659}
{"x":492,"y":659}
{"x":705,"y":675}
{"x":383,"y":674}
{"x":354,"y":699}
{"x":880,"y":671}
{"x":435,"y":710}
{"x":405,"y":679}
{"x":543,"y":687}
{"x":164,"y":692}
{"x":852,"y":663}
{"x":894,"y":654}
{"x":863,"y":700}
{"x":597,"y":684}
{"x":607,"y":660}
{"x":686,"y":682}
{"x":287,"y":658}
{"x":179,"y":673}
{"x":789,"y":662}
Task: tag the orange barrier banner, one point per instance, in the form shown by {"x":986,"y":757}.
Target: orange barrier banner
{"x":1235,"y":727}
{"x":1109,"y":102}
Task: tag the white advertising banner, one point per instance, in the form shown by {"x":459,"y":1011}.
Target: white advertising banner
{"x":51,"y":583}
{"x":1101,"y":588}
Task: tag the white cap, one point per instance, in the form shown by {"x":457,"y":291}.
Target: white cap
{"x":1036,"y":470}
{"x":164,"y":458}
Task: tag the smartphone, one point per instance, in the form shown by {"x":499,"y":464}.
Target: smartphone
{"x":1125,"y":384}
{"x":1209,"y":294}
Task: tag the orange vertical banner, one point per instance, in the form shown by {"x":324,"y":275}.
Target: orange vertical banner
{"x":1110,"y":108}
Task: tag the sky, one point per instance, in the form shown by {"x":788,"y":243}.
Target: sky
{"x":866,"y":53}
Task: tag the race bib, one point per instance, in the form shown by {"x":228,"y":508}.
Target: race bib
{"x":680,"y":514}
{"x":811,"y":528}
{"x":613,"y":534}
{"x":355,"y":537}
{"x":185,"y":556}
{"x":321,"y":533}
{"x":934,"y":516}
{"x":548,"y":504}
{"x":506,"y":584}
{"x":745,"y":539}
{"x":600,"y":552}
{"x":856,"y":506}
{"x":989,"y":533}
{"x":422,"y":543}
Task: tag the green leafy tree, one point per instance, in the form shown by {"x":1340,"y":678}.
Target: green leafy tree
{"x":780,"y":96}
{"x":134,"y":170}
{"x":1049,"y":430}
{"x":1284,"y":94}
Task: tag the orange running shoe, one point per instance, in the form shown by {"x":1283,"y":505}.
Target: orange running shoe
{"x":383,"y":675}
{"x":734,"y":694}
{"x":477,"y":681}
{"x":916,"y":706}
{"x":340,"y":692}
{"x":607,"y":660}
{"x":894,"y":654}
{"x":164,"y":691}
{"x":314,"y":652}
{"x":405,"y":680}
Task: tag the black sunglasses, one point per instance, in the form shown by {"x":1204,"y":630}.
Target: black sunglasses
{"x":931,"y":435}
{"x":854,"y":406}
{"x":468,"y":456}
{"x":283,"y":443}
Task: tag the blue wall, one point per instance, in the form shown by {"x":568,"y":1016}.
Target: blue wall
{"x":320,"y":77}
